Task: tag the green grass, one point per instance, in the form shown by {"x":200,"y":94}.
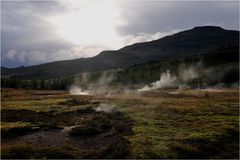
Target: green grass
{"x":19,"y":124}
{"x":46,"y":105}
{"x":164,"y":127}
{"x":35,"y":105}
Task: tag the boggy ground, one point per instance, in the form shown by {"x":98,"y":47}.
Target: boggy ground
{"x":154,"y":124}
{"x":76,"y":131}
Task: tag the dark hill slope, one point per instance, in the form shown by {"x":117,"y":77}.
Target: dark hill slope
{"x":220,"y":66}
{"x":195,"y":41}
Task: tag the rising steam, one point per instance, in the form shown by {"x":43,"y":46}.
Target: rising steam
{"x":76,"y":90}
{"x":168,"y":80}
{"x":83,"y":85}
{"x":186,"y":76}
{"x":104,"y":107}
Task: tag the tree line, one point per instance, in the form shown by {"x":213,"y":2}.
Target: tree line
{"x":54,"y":84}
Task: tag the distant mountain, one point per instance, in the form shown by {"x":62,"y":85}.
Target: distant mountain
{"x":218,"y":68}
{"x":195,"y":41}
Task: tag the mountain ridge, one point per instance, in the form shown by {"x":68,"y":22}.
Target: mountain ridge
{"x":194,"y":41}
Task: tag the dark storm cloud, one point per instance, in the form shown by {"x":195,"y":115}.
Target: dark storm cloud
{"x":155,"y":16}
{"x":23,"y":27}
{"x":27,"y":38}
{"x":35,"y":7}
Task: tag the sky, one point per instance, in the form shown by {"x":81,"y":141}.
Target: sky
{"x":36,"y":32}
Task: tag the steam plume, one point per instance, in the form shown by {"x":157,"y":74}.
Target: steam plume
{"x":83,"y":85}
{"x":168,"y":80}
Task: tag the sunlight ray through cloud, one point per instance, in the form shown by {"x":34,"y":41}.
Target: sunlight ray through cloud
{"x":94,"y":23}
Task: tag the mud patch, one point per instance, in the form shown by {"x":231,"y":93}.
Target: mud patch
{"x":46,"y":119}
{"x":17,"y":131}
{"x":74,"y":102}
{"x":25,"y":151}
{"x":90,"y":134}
{"x":12,"y":115}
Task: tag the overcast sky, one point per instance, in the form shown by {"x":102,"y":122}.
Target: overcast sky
{"x":35,"y":32}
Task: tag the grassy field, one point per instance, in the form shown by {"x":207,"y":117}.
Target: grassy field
{"x":154,"y":124}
